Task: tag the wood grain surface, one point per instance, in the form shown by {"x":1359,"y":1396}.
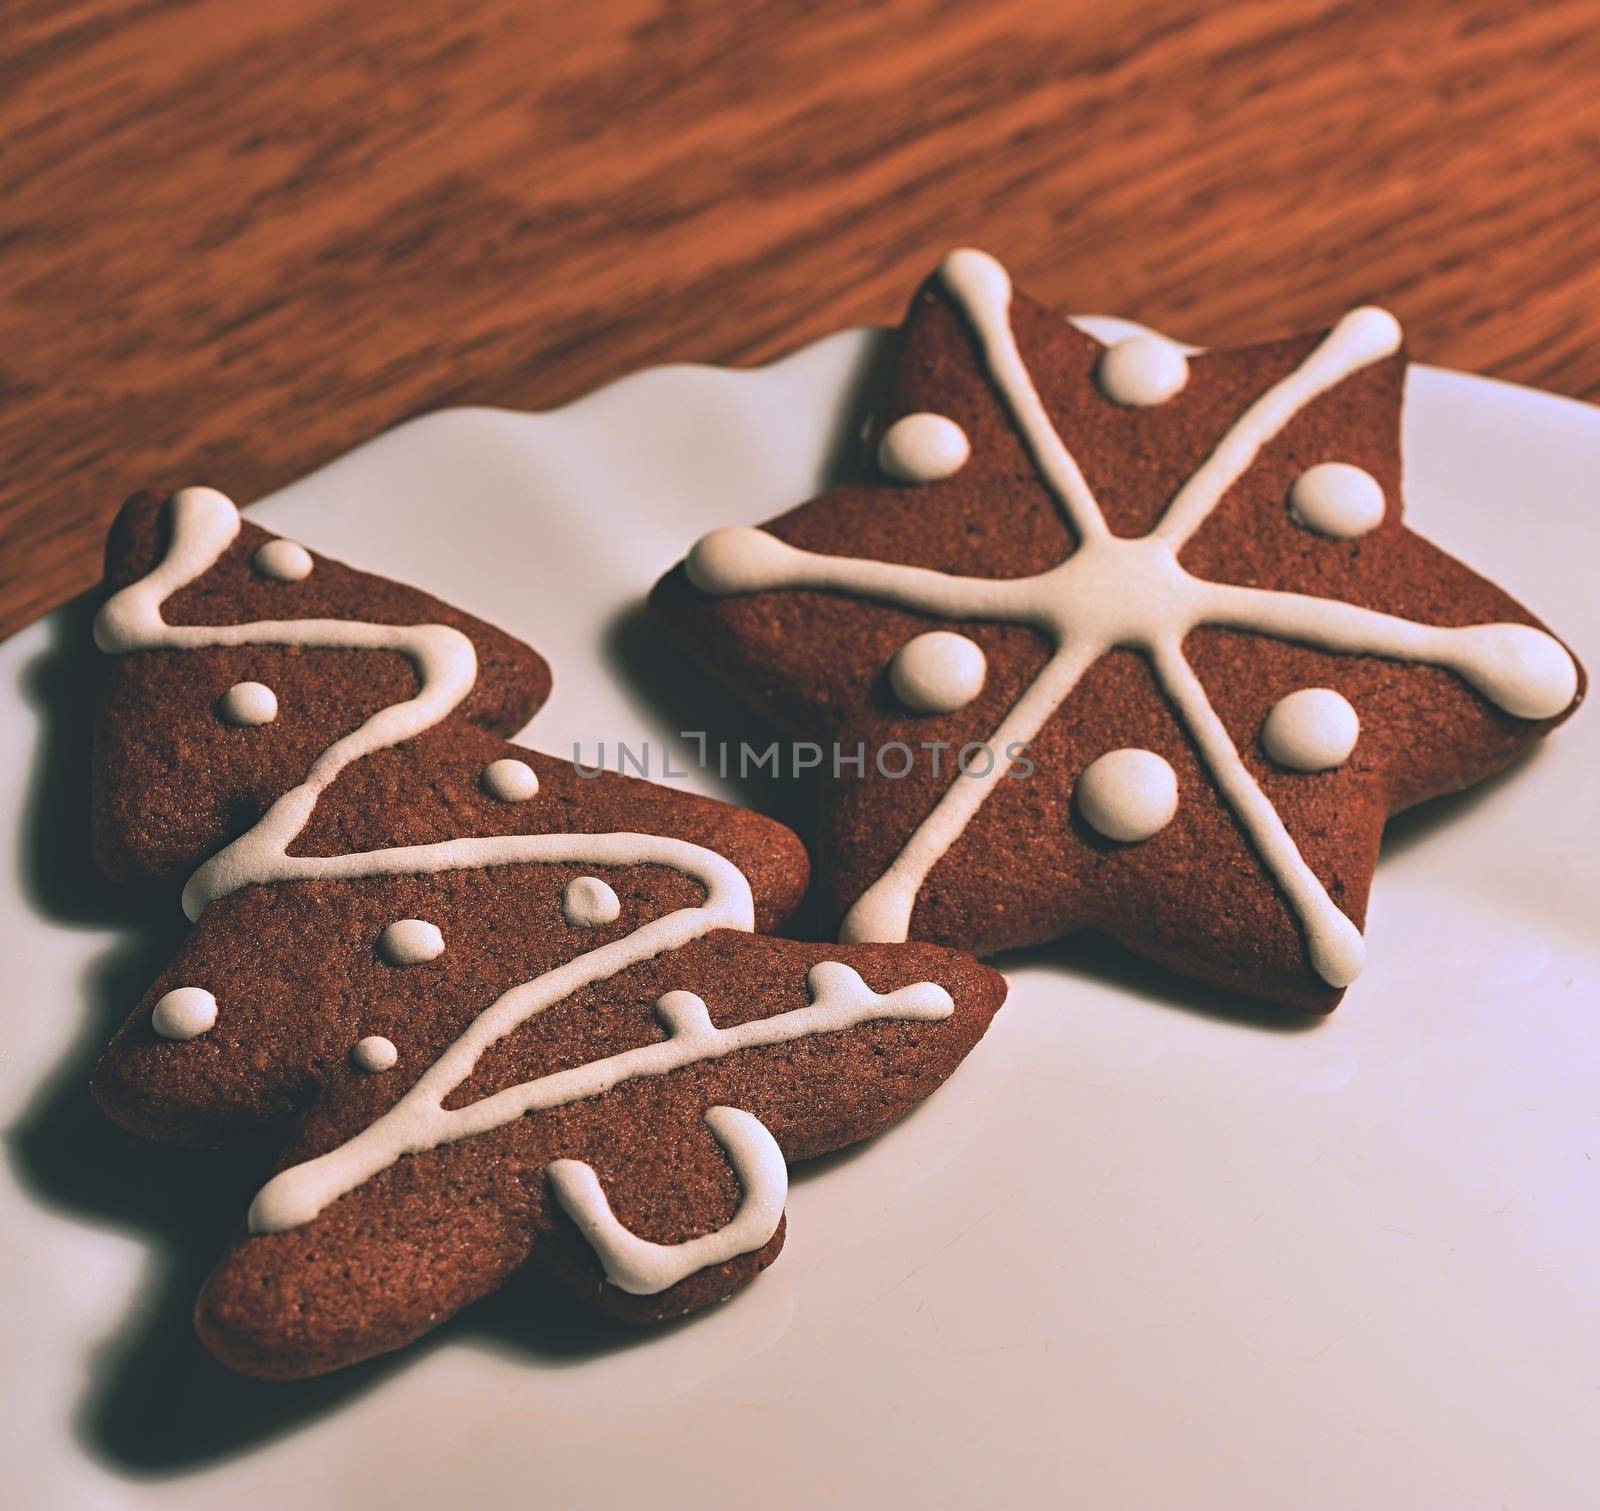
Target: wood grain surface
{"x":236,"y":239}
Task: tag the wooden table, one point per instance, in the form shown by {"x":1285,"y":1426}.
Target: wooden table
{"x":236,"y":239}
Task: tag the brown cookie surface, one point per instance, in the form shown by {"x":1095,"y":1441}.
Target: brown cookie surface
{"x":171,"y":778}
{"x":448,"y":969}
{"x":1210,"y":892}
{"x":432,"y":1232}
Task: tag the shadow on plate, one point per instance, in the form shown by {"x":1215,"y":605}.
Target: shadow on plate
{"x":1415,"y":826}
{"x":681,"y":698}
{"x":1102,"y":961}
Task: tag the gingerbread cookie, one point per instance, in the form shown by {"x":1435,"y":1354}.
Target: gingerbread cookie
{"x":1159,"y":615}
{"x":496,"y":1011}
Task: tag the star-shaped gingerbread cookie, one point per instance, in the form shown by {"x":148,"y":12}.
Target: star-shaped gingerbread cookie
{"x":1124,"y":638}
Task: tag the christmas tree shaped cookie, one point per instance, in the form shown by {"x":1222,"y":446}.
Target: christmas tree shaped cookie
{"x":495,"y":1012}
{"x":1127,"y":639}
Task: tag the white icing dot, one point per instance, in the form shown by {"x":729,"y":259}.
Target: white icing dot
{"x":248,"y":704}
{"x":588,"y":902}
{"x":410,"y":941}
{"x":283,"y":560}
{"x":1314,"y":729}
{"x":922,"y":448}
{"x":1336,"y":499}
{"x":1142,"y":371}
{"x":938,"y":673}
{"x":374,"y":1054}
{"x":1128,"y":795}
{"x":509,"y":781}
{"x":185,"y":1012}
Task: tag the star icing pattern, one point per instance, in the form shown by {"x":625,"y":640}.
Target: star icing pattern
{"x":1117,"y":592}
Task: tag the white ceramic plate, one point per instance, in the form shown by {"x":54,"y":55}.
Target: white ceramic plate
{"x":1147,"y":1248}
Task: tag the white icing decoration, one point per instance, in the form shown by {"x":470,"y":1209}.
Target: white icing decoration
{"x":248,"y":704}
{"x":411,"y":941}
{"x":203,"y":524}
{"x":1133,"y":593}
{"x":938,"y":673}
{"x":840,"y":999}
{"x":1128,"y":795}
{"x":1336,"y":499}
{"x":588,"y":902}
{"x":185,"y":1012}
{"x":1142,"y":371}
{"x":923,"y":448}
{"x":1314,"y":729}
{"x":644,"y":1268}
{"x":509,"y":781}
{"x":375,"y":1054}
{"x":282,"y":560}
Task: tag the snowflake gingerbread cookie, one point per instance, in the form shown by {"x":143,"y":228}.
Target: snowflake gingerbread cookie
{"x":497,"y":1011}
{"x":1132,"y":638}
